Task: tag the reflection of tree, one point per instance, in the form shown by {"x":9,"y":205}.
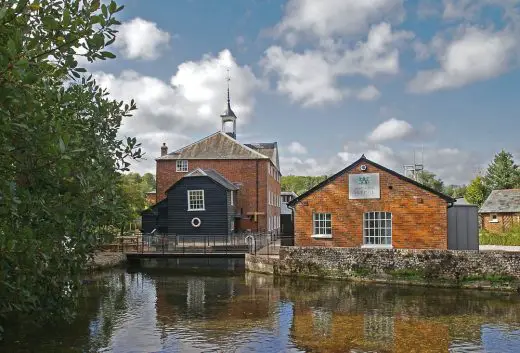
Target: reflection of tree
{"x":113,"y":304}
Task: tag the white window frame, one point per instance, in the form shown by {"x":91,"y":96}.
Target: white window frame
{"x":190,"y":192}
{"x":232,"y":198}
{"x":322,"y":231}
{"x":181,"y":165}
{"x":493,"y":220}
{"x":372,"y":222}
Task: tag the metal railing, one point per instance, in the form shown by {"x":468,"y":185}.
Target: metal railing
{"x":201,"y":244}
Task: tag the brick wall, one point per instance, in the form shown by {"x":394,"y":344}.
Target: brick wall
{"x":419,"y":218}
{"x":242,"y":171}
{"x":504,"y":221}
{"x":273,"y":185}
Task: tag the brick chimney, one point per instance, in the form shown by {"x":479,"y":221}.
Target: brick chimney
{"x":164,"y":149}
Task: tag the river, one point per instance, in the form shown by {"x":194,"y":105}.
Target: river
{"x":171,"y":310}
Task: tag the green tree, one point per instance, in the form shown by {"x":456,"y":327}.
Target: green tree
{"x":300,"y":184}
{"x":455,"y":191}
{"x":476,"y":192}
{"x":429,"y":179}
{"x":62,"y":158}
{"x":502,"y":173}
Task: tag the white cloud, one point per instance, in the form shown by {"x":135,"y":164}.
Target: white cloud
{"x":452,"y":165}
{"x":309,"y":166}
{"x":308,"y":78}
{"x":392,"y":129}
{"x":297,"y":148}
{"x":141,"y":39}
{"x":326,"y":18}
{"x":368,"y":93}
{"x":311,"y":77}
{"x":190,"y":104}
{"x":475,"y":55}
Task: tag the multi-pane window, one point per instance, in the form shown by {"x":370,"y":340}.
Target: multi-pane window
{"x":322,"y":223}
{"x":195,"y":200}
{"x":377,"y":228}
{"x":182,"y":165}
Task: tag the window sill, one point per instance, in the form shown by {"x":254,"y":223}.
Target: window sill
{"x":181,"y":171}
{"x":496,"y":221}
{"x":321,"y":236}
{"x":198,"y":209}
{"x":376,"y":246}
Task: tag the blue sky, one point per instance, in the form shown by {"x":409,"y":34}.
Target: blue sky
{"x":328,"y":80}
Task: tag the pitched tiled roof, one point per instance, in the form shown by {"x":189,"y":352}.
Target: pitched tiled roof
{"x":216,"y":146}
{"x":214,"y":175}
{"x":507,"y":201}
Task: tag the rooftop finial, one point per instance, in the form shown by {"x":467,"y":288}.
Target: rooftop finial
{"x":228,"y":78}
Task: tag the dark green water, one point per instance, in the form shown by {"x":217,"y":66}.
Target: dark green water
{"x":151,"y":310}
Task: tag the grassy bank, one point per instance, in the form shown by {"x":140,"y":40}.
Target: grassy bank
{"x":511,"y":237}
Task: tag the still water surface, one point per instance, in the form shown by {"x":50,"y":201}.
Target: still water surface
{"x":147,"y":310}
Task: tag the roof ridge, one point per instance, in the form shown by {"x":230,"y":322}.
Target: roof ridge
{"x":243,"y":145}
{"x":193,"y":143}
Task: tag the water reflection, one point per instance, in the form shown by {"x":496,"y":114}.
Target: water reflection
{"x":159,"y":311}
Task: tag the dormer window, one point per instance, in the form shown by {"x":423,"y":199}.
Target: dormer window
{"x":182,"y":165}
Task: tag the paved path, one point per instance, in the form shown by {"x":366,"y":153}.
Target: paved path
{"x":499,"y":248}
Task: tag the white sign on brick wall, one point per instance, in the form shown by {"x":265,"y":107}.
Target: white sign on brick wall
{"x":363,"y":186}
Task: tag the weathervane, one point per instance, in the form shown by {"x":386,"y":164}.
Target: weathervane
{"x":228,"y":78}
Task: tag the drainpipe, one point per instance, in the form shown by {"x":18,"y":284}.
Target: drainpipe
{"x":257,"y":205}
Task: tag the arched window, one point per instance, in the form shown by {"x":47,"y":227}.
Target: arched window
{"x":377,"y":229}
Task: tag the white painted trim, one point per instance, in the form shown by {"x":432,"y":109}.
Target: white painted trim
{"x":321,"y":236}
{"x":177,"y":166}
{"x":198,"y":170}
{"x":377,"y":246}
{"x":203,"y":201}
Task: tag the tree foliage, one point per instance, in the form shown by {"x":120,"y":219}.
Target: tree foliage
{"x":476,"y":192}
{"x":431,"y":180}
{"x":61,"y":155}
{"x":502,"y":173}
{"x":300,"y":184}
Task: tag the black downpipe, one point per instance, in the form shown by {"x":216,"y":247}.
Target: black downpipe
{"x":257,"y":220}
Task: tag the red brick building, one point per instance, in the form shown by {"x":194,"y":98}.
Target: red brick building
{"x":368,"y":205}
{"x":253,"y":167}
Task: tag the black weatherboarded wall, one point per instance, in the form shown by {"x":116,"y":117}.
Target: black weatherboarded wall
{"x":214,"y":219}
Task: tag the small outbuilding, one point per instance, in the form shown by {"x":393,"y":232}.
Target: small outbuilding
{"x":368,"y":205}
{"x":501,"y":210}
{"x":201,"y":203}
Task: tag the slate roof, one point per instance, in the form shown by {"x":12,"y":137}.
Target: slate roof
{"x":389,"y":171}
{"x":267,"y":149}
{"x":222,"y":146}
{"x":502,"y":201}
{"x":214,"y":175}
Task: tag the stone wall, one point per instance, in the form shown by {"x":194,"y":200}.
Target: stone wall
{"x":443,"y":267}
{"x":429,"y":264}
